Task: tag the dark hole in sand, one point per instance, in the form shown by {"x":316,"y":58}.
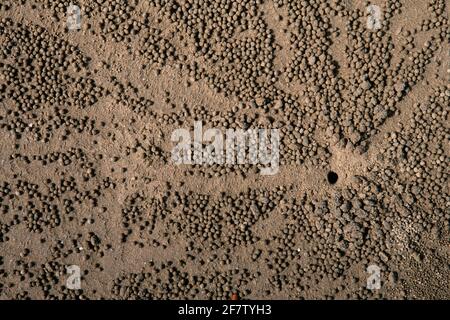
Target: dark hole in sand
{"x":332,"y":177}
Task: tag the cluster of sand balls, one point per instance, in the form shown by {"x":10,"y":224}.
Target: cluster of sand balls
{"x":40,"y":80}
{"x":90,"y":188}
{"x":242,"y":67}
{"x":415,"y":154}
{"x":151,"y":283}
